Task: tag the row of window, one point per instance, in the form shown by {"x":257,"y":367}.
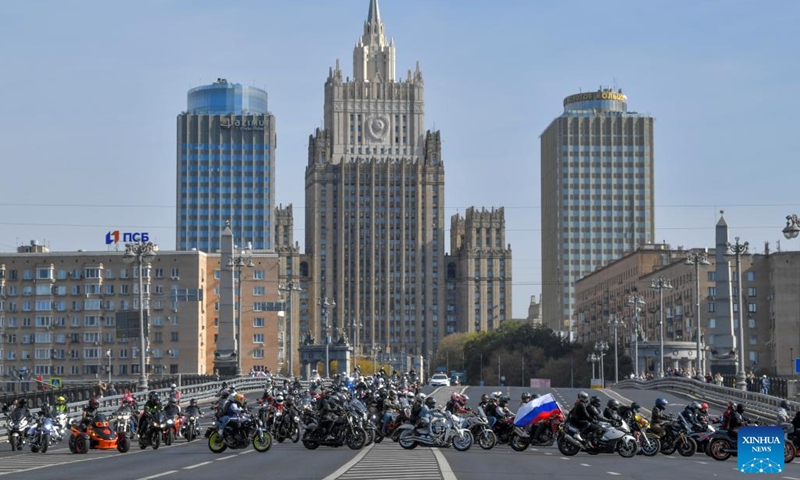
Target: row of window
{"x":47,"y":273}
{"x":224,"y":146}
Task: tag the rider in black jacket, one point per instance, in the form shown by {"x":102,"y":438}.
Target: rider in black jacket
{"x":579,"y":415}
{"x":594,"y":430}
{"x":659,"y":417}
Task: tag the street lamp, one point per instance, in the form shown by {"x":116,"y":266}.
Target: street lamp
{"x":593,"y":359}
{"x":792,"y":228}
{"x":290,"y":287}
{"x":635,"y":301}
{"x":237,"y":263}
{"x":614,"y":321}
{"x":376,"y":349}
{"x":601,"y":348}
{"x":661,"y":284}
{"x":142,"y":254}
{"x":697,"y":259}
{"x":736,"y":250}
{"x":108,"y":355}
{"x":326,"y":306}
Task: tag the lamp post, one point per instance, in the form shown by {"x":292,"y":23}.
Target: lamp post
{"x":237,"y":263}
{"x":636,"y":301}
{"x":592,"y":358}
{"x":326,"y":306}
{"x":736,"y":250}
{"x":289,"y":287}
{"x":376,"y":349}
{"x":614,"y":321}
{"x":697,"y":259}
{"x":661,"y":284}
{"x":601,"y":348}
{"x":790,"y":231}
{"x":142,"y":254}
{"x":108,"y":355}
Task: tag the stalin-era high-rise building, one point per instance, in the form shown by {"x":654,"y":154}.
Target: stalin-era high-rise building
{"x":597,"y":194}
{"x":375,"y":205}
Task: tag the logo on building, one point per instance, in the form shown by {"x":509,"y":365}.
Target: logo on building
{"x":761,"y":449}
{"x":127,"y":237}
{"x":227,"y":123}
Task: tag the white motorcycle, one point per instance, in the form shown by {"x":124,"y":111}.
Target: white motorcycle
{"x":617,"y":439}
{"x":445,"y":430}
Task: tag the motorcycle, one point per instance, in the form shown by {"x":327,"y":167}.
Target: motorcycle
{"x":613,"y":440}
{"x":173,"y":428}
{"x":445,"y":430}
{"x":649,"y":443}
{"x":98,"y":435}
{"x":343,"y":430}
{"x":677,"y":438}
{"x":191,"y":424}
{"x":60,"y":426}
{"x":17,"y":424}
{"x":522,"y":438}
{"x":363,"y":420}
{"x":155,"y":424}
{"x":722,"y":446}
{"x":238,"y":433}
{"x":478,"y":426}
{"x":40,"y":435}
{"x":122,"y":421}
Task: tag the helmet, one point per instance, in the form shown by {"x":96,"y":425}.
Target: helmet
{"x":420,"y":397}
{"x":279,"y":399}
{"x":635,"y":407}
{"x":173,"y":386}
{"x":152,"y":396}
{"x":503,"y":401}
{"x":583,"y":397}
{"x":172,"y":401}
{"x":455,"y":397}
{"x":93,"y":403}
{"x":464,"y":399}
{"x":239,"y":398}
{"x":785,"y":404}
{"x":704,"y":407}
{"x":526,"y":397}
{"x":661,"y":402}
{"x":392,"y":394}
{"x":497,"y":395}
{"x":60,"y":400}
{"x":484,"y":398}
{"x":225,"y":394}
{"x":193,"y":402}
{"x":594,"y":401}
{"x":740,"y":408}
{"x":224,"y":384}
{"x":694,"y":406}
{"x":430,"y":402}
{"x":613,"y":404}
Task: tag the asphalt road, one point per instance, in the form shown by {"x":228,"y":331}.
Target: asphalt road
{"x":385,"y":461}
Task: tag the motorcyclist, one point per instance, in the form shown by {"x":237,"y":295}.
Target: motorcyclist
{"x":628,"y":413}
{"x":390,"y":405}
{"x":726,"y":415}
{"x":175,"y":394}
{"x":594,"y":431}
{"x":173,"y":412}
{"x":579,"y":415}
{"x":223,"y":389}
{"x":612,"y":411}
{"x":488,"y":406}
{"x":331,"y":408}
{"x":22,"y":409}
{"x":782,"y":415}
{"x":457,"y":404}
{"x":736,"y":421}
{"x":61,"y":405}
{"x":501,"y":412}
{"x":193,"y":410}
{"x":659,"y":417}
{"x":425,"y":416}
{"x":89,"y":411}
{"x":692,"y":414}
{"x":46,"y":410}
{"x":526,"y":397}
{"x":233,"y":412}
{"x":152,"y":405}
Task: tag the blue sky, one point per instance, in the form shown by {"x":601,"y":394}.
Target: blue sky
{"x":90,"y":91}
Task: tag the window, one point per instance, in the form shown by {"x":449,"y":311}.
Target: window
{"x":91,"y":321}
{"x":712,"y":323}
{"x":751,"y":276}
{"x":712,"y":307}
{"x":754,"y":358}
{"x":712,"y":292}
{"x":712,"y":276}
{"x":259,"y":291}
{"x":173,"y":336}
{"x":751,"y":291}
{"x":751,"y":307}
{"x":173,"y":353}
{"x":258,"y":353}
{"x":258,"y":338}
{"x":258,"y":322}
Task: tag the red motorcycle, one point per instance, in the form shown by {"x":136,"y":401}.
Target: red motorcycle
{"x":522,"y":438}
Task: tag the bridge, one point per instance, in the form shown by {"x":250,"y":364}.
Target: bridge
{"x":290,"y":461}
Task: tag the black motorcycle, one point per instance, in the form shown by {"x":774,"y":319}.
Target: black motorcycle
{"x":722,"y":446}
{"x":677,"y":438}
{"x":155,"y":424}
{"x":238,"y":433}
{"x":191,"y":422}
{"x":17,"y":425}
{"x":333,"y":433}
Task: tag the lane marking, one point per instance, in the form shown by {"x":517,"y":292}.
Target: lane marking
{"x":613,"y":473}
{"x":585,"y":465}
{"x":225,"y":458}
{"x":198,"y":465}
{"x":444,"y":467}
{"x":347,"y":466}
{"x":159,"y":475}
{"x":564,"y":458}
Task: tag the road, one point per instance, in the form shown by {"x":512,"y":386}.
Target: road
{"x":384,"y":461}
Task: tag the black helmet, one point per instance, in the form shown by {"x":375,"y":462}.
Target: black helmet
{"x":785,"y":404}
{"x":484,"y":398}
{"x":22,"y":402}
{"x":224,"y":384}
{"x":526,"y":397}
{"x":172,"y":401}
{"x":661,"y":402}
{"x":694,"y":406}
{"x":594,"y":401}
{"x":583,"y":396}
{"x":635,"y":407}
{"x":740,"y":408}
{"x":613,"y":404}
{"x":153,"y":396}
{"x":193,"y":402}
{"x":430,"y":402}
{"x":93,"y":403}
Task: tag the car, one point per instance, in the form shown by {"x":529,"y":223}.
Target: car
{"x":440,"y":380}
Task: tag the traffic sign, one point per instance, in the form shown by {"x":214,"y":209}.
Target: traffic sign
{"x":797,"y":365}
{"x":55,"y":383}
{"x":441,"y":369}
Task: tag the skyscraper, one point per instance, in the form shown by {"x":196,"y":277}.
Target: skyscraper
{"x":597,"y":164}
{"x":226,"y":165}
{"x":375,"y":205}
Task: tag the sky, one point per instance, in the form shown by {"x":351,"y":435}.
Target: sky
{"x":90,"y":91}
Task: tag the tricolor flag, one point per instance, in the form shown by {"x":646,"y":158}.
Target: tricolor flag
{"x":536,"y":410}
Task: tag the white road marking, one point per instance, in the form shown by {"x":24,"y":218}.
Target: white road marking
{"x":159,"y":475}
{"x":344,"y":468}
{"x":225,"y":458}
{"x":195,"y":466}
{"x":585,"y":465}
{"x":444,"y":467}
{"x":613,"y":473}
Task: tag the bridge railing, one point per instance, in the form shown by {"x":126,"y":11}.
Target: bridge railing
{"x":200,"y":392}
{"x":755,"y":402}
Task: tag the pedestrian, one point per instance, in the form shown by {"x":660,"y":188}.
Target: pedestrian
{"x":111,"y":391}
{"x":764,"y":385}
{"x":718,"y":379}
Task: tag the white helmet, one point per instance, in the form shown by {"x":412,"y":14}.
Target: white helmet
{"x":173,"y":386}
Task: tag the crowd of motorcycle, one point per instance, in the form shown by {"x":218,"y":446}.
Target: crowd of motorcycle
{"x":356,"y":412}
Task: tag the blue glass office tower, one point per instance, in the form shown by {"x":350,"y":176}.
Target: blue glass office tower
{"x":597,"y":174}
{"x":226,"y":167}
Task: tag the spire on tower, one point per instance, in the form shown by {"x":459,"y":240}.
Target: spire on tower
{"x":374,"y":15}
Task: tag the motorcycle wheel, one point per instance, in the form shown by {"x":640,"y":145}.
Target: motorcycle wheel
{"x":45,"y":443}
{"x":651,"y":449}
{"x":263,"y":442}
{"x":155,"y":440}
{"x":462,"y":444}
{"x":566,"y":447}
{"x":370,"y":435}
{"x":395,"y":435}
{"x":518,"y":444}
{"x":71,"y":444}
{"x":789,"y":452}
{"x":216,"y":444}
{"x":13,"y":441}
{"x":168,"y":438}
{"x":123,"y":444}
{"x":190,"y":434}
{"x":487,"y":440}
{"x":295,"y":436}
{"x":34,"y":449}
{"x":378,"y":437}
{"x":668,"y":448}
{"x":406,"y":440}
{"x":310,"y":444}
{"x":82,"y":444}
{"x":687,"y":447}
{"x":627,"y":448}
{"x":357,"y":439}
{"x":718,"y":448}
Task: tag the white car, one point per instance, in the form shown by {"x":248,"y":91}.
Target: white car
{"x":440,"y":380}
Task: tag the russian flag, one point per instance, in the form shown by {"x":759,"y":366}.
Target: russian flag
{"x":536,"y":410}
